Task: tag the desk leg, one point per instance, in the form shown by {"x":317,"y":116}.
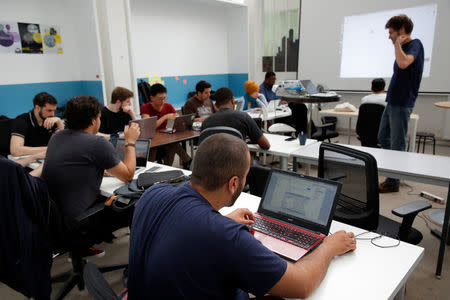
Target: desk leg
{"x":283,"y":163}
{"x":444,"y":236}
{"x":412,"y":135}
{"x":191,"y":145}
{"x":310,"y":119}
{"x":349,"y":129}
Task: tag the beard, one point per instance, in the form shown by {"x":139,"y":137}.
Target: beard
{"x":41,"y":116}
{"x":237,"y":192}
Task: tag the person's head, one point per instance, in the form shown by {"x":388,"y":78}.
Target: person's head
{"x":44,"y":105}
{"x":251,"y":88}
{"x":399,"y":25}
{"x":224,"y":96}
{"x":203,"y":90}
{"x":378,"y":85}
{"x":121,"y":96}
{"x":158,"y":94}
{"x":270,"y":79}
{"x":83,"y":112}
{"x":222,"y":161}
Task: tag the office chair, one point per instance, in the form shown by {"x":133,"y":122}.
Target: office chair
{"x":97,"y":285}
{"x":5,"y":135}
{"x":368,"y":123}
{"x":323,"y":132}
{"x":359,"y":202}
{"x":218,"y":129}
{"x":257,"y":178}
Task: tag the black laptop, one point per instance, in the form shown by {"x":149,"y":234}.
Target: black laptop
{"x":142,"y":148}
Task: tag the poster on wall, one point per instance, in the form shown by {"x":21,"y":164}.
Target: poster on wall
{"x":30,"y":36}
{"x":9,"y":38}
{"x":51,"y":39}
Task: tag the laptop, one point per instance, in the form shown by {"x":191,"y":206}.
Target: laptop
{"x":309,"y":87}
{"x":295,"y":213}
{"x":142,"y":148}
{"x":180,"y":124}
{"x":147,"y":126}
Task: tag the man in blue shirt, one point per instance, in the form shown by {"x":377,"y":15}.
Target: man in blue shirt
{"x":181,"y":247}
{"x":266,"y":87}
{"x":402,"y":92}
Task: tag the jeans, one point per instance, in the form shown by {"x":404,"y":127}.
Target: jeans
{"x":393,"y":129}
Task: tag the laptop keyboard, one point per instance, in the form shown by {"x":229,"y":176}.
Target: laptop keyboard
{"x":283,"y":233}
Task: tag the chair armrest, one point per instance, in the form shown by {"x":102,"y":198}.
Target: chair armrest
{"x":336,"y":176}
{"x":90,"y":212}
{"x":325,"y":126}
{"x":411,"y":209}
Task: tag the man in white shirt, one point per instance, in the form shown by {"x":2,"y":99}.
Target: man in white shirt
{"x":378,"y":95}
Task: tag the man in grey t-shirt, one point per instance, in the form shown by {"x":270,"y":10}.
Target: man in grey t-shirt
{"x":77,"y":158}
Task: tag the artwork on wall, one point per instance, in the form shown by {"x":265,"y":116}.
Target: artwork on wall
{"x":9,"y":38}
{"x":30,"y":38}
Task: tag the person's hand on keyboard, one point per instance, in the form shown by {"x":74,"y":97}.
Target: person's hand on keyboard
{"x":242,"y":216}
{"x":340,"y":242}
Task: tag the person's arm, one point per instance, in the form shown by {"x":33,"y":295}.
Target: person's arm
{"x":143,"y":116}
{"x":263,"y":142}
{"x":32,"y":158}
{"x":50,"y":122}
{"x":38,"y":171}
{"x":200,"y":119}
{"x":125,"y":170}
{"x":161,"y":120}
{"x":403,"y":59}
{"x":303,"y":277}
{"x":242,"y":216}
{"x":128,"y":110}
{"x":17,"y":147}
{"x":106,"y":136}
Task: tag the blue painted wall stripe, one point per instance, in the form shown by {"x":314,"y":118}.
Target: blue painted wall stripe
{"x":16,"y":99}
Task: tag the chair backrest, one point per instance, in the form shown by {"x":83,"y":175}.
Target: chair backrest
{"x":96,"y":284}
{"x":5,"y":135}
{"x":358,"y":173}
{"x":369,"y":118}
{"x":264,"y":112}
{"x":218,"y":129}
{"x":239,"y":103}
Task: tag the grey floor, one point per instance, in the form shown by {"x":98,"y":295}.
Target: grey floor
{"x":422,"y":283}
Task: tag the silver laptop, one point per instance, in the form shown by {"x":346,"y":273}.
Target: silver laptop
{"x":295,"y":213}
{"x":147,"y":126}
{"x":142,"y":148}
{"x":309,"y":87}
{"x":180,"y":124}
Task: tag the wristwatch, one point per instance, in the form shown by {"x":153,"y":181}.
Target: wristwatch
{"x":130,"y":144}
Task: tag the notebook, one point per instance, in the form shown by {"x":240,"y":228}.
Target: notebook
{"x":295,"y":213}
{"x":147,"y":126}
{"x":180,"y":124}
{"x":142,"y":148}
{"x":309,"y":87}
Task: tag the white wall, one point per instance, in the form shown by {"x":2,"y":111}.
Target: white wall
{"x":79,"y":60}
{"x":187,"y":37}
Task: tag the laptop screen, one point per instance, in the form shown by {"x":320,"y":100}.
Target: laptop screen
{"x":309,"y":86}
{"x":142,"y":148}
{"x":300,"y":197}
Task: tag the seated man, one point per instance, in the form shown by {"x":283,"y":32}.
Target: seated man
{"x":77,"y":157}
{"x":182,"y":247}
{"x":31,"y":131}
{"x":252,"y":94}
{"x":241,"y":121}
{"x":117,"y":114}
{"x":266,"y":87}
{"x":378,"y":95}
{"x":200,"y":104}
{"x":164,"y":111}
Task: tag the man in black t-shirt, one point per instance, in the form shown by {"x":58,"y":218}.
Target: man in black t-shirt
{"x":31,"y":131}
{"x":117,"y":114}
{"x":241,"y":121}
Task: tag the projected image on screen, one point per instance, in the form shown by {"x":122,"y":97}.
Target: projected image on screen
{"x":367,"y":51}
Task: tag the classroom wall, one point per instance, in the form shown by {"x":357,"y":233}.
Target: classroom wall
{"x":185,"y":41}
{"x":64,"y":76}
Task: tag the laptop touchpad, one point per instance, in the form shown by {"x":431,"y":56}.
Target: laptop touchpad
{"x":275,"y":245}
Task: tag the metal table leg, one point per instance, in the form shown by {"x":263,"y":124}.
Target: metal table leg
{"x":444,"y":236}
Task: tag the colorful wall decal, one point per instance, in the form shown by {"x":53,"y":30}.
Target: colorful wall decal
{"x":51,"y":39}
{"x":9,"y":38}
{"x":31,"y":39}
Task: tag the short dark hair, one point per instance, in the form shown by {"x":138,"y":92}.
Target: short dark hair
{"x":80,"y":111}
{"x":121,"y":94}
{"x":397,"y":22}
{"x":43,"y":98}
{"x":219,"y":157}
{"x":223,"y":96}
{"x":201,"y":86}
{"x":378,"y":84}
{"x":269,"y":74}
{"x":156,"y":89}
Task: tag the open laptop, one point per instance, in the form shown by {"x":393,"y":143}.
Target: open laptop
{"x":295,"y":213}
{"x":142,"y":148}
{"x":309,"y":87}
{"x":180,"y":124}
{"x":147,"y":126}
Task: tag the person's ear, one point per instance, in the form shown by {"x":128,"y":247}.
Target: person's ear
{"x":233,"y":184}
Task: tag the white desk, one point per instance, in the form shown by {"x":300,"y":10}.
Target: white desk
{"x":425,"y":168}
{"x":280,"y":147}
{"x":369,"y":272}
{"x":110,"y":184}
{"x":412,"y":128}
{"x":271,"y":114}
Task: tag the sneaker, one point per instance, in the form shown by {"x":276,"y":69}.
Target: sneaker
{"x":385,"y":187}
{"x":89,"y":253}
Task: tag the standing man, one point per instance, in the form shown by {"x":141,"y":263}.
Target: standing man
{"x":182,"y":247}
{"x":31,"y":131}
{"x":117,"y":114}
{"x":402,"y":91}
{"x":200,"y":104}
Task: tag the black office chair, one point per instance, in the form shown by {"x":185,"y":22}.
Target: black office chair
{"x":5,"y":135}
{"x":359,"y":199}
{"x":368,"y":124}
{"x":323,"y":132}
{"x":97,"y":285}
{"x":256,"y":179}
{"x":218,"y":129}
